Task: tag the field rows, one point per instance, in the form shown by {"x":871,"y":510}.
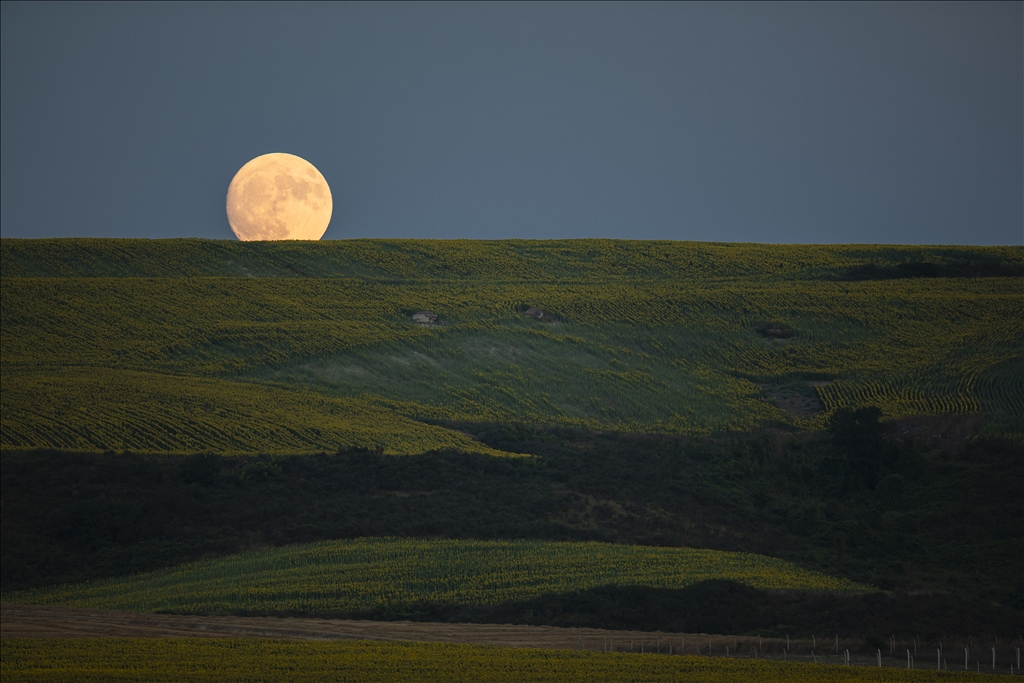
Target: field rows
{"x":213,"y":326}
{"x":382,"y":573}
{"x":626,"y":351}
{"x":100,"y":410}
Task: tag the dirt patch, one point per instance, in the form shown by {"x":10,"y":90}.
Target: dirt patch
{"x":775,"y":331}
{"x":540,"y":314}
{"x":424,"y":317}
{"x":798,"y":399}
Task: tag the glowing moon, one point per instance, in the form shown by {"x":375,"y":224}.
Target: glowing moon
{"x":279,"y":197}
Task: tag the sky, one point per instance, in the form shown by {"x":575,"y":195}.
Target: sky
{"x":732,"y":122}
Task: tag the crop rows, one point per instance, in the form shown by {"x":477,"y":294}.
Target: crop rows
{"x":896,"y":401}
{"x":627,"y":350}
{"x":156,"y":660}
{"x":1001,"y":388}
{"x":378,"y":573}
{"x":101,"y":410}
{"x":213,"y":326}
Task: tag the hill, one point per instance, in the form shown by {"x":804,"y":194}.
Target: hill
{"x":402,"y":575}
{"x":682,"y":338}
{"x":854,"y":410}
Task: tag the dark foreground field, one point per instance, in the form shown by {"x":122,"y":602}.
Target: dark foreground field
{"x":36,"y":621}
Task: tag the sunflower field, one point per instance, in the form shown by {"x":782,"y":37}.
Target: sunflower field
{"x":207,"y":346}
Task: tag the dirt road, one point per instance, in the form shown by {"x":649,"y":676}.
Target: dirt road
{"x":37,"y":621}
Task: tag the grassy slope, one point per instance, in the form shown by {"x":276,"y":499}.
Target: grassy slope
{"x":98,"y":408}
{"x":650,"y":336}
{"x":399,"y":574}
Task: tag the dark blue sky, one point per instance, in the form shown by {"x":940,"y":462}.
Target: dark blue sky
{"x":879,"y":122}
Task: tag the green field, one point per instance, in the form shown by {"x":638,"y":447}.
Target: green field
{"x":155,"y":660}
{"x":203,"y":346}
{"x":672,"y":394}
{"x":383,"y":573}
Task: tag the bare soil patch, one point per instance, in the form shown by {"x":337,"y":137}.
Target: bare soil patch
{"x":802,"y":403}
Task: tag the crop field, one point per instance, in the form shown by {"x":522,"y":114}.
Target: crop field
{"x":100,"y":409}
{"x":639,"y":336}
{"x":518,"y":260}
{"x":366,"y":661}
{"x":364,"y":574}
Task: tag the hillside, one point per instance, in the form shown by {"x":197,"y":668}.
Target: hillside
{"x":856,"y":411}
{"x":679,"y":338}
{"x":399,"y":575}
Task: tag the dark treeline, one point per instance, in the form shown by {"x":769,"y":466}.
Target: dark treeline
{"x":909,"y":515}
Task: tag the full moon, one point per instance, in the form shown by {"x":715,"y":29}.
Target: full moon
{"x":279,"y":197}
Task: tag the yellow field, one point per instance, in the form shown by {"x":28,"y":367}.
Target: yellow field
{"x":110,"y":660}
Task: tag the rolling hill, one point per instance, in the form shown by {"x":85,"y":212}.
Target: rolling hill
{"x":678,"y":338}
{"x":855,"y":411}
